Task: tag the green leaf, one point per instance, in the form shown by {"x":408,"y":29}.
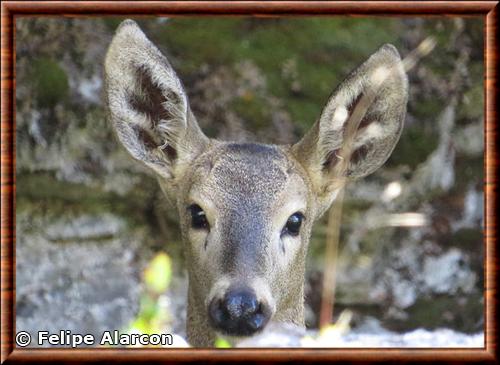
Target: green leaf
{"x":149,"y":308}
{"x":158,"y":273}
{"x":139,"y":326}
{"x":222,"y":343}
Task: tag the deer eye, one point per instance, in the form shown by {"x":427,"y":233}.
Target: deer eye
{"x":198,"y":217}
{"x":292,"y":226}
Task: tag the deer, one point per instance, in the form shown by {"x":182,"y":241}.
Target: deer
{"x":246,"y":210}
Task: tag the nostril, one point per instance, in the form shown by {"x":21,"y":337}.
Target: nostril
{"x":252,"y":307}
{"x":241,"y":304}
{"x":234,"y":306}
{"x":257,"y":322}
{"x":239,"y":313}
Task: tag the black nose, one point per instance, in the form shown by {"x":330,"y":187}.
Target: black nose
{"x":239,"y":313}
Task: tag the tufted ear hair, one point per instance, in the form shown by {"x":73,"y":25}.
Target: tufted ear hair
{"x":381,"y":80}
{"x":147,"y":104}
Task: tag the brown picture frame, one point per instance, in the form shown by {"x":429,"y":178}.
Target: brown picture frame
{"x":10,"y":10}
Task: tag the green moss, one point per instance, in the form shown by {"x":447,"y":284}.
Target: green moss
{"x":313,"y":43}
{"x":200,"y":41}
{"x":112,"y":22}
{"x":470,"y":239}
{"x":472,"y":107}
{"x":50,"y":82}
{"x":415,"y":145}
{"x":467,"y":170}
{"x":254,"y":110}
{"x":42,"y":191}
{"x":304,"y":113}
{"x":443,"y":311}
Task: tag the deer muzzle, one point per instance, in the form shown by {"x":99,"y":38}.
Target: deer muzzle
{"x":239,"y":312}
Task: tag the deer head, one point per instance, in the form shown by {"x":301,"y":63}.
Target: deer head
{"x":246,"y":210}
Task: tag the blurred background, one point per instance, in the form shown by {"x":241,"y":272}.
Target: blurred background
{"x":97,"y":246}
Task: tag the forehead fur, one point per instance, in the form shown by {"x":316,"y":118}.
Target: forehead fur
{"x":244,"y":171}
{"x":250,"y":169}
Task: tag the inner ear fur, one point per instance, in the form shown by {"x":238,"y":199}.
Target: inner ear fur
{"x":147,"y":104}
{"x":378,"y":131}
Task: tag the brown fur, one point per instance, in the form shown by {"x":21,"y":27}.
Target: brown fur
{"x":247,"y":191}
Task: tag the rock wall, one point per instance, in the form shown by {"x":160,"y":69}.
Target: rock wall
{"x":88,"y":218}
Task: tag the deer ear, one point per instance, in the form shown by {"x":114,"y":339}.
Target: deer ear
{"x":378,"y":130}
{"x":147,"y":104}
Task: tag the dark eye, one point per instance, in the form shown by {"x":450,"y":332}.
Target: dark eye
{"x":292,"y":226}
{"x":198,"y":217}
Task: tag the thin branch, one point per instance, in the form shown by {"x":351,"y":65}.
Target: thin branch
{"x":335,"y":213}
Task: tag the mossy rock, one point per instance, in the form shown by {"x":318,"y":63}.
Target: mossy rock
{"x":44,"y":191}
{"x":461,"y":314}
{"x":472,"y":106}
{"x":468,"y":238}
{"x":313,"y":44}
{"x":415,"y":145}
{"x":254,"y":110}
{"x":468,"y":170}
{"x":50,"y":82}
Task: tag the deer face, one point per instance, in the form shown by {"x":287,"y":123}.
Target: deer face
{"x":246,"y":213}
{"x":246,"y":210}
